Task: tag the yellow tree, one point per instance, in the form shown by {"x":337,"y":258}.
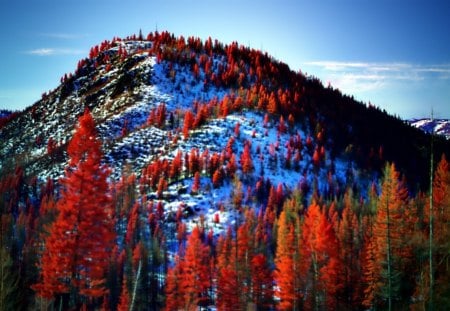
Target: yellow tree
{"x":287,"y":274}
{"x":349,"y":250}
{"x":389,"y":233}
{"x":441,"y":234}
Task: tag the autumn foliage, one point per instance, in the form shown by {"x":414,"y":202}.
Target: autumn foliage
{"x":77,"y":247}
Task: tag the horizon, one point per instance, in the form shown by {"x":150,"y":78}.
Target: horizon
{"x":393,"y":55}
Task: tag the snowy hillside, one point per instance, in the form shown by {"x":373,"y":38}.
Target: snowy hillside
{"x":281,"y":156}
{"x":437,"y":126}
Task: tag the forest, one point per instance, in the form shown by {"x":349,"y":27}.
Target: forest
{"x":92,"y":242}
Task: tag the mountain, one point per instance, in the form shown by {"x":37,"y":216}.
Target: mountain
{"x":206,"y":145}
{"x":436,"y":126}
{"x":123,"y":80}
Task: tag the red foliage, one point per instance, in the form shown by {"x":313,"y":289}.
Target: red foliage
{"x":176,"y":165}
{"x":282,"y":126}
{"x":246,"y":159}
{"x":174,"y":289}
{"x":188,"y":123}
{"x":217,"y":178}
{"x":188,"y":281}
{"x":196,"y":183}
{"x":124,"y":300}
{"x":77,"y":248}
{"x":320,"y":242}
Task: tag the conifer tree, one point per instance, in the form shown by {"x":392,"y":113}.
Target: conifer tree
{"x":174,"y":290}
{"x":188,"y":123}
{"x":288,"y":268}
{"x":387,"y":235}
{"x":321,"y":259}
{"x":441,"y":234}
{"x":196,"y":272}
{"x":227,"y":286}
{"x":124,"y":301}
{"x":246,"y":160}
{"x":77,"y":248}
{"x":8,"y":281}
{"x":349,"y":249}
{"x":196,"y":183}
{"x":261,"y":281}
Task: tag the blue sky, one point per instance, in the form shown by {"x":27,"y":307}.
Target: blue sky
{"x":395,"y":54}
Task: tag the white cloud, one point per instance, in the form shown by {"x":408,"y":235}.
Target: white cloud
{"x":361,"y":66}
{"x":337,"y":66}
{"x":349,"y":82}
{"x":53,"y":51}
{"x":365,"y":76}
{"x":41,"y":52}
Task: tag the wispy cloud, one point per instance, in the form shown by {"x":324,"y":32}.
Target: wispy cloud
{"x":349,"y":82}
{"x":367,"y":76}
{"x":54,"y":51}
{"x":64,"y":36}
{"x":344,"y":66}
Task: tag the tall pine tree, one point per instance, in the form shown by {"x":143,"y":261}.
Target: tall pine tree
{"x":78,"y":245}
{"x":389,"y":233}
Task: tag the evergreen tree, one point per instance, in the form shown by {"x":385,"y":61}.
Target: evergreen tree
{"x":289,"y":273}
{"x":8,"y":281}
{"x":388,"y":234}
{"x":321,"y":259}
{"x":441,"y":234}
{"x":77,"y":248}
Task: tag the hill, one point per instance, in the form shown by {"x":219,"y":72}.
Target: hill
{"x":438,"y":126}
{"x":206,"y":145}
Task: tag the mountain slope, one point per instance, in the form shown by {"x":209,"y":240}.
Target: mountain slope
{"x":123,"y":80}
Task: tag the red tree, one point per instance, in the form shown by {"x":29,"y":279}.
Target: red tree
{"x":77,"y":248}
{"x":174,"y":291}
{"x":196,"y":184}
{"x":176,"y":165}
{"x":217,"y":178}
{"x":261,"y":280}
{"x":321,"y":258}
{"x":188,"y":123}
{"x":195,"y":280}
{"x":124,"y":300}
{"x":246,"y":160}
{"x":227,"y":277}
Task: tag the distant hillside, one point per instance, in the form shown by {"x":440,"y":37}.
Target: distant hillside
{"x":436,"y":126}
